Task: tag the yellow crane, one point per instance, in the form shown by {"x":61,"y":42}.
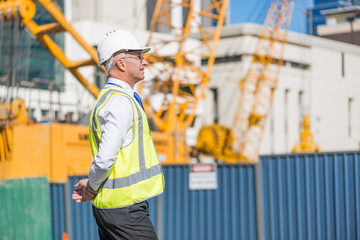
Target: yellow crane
{"x":242,"y":142}
{"x":179,"y":78}
{"x":59,"y":150}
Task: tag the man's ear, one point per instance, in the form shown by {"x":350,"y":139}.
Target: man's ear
{"x":120,"y":65}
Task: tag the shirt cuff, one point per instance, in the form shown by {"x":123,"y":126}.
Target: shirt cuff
{"x":93,"y":185}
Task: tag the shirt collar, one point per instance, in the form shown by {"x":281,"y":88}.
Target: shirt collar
{"x":121,"y":84}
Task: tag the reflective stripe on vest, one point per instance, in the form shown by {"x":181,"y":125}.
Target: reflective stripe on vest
{"x":144,"y":173}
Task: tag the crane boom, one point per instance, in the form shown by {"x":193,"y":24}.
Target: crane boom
{"x":260,"y":82}
{"x":24,"y":10}
{"x":179,"y":78}
{"x":242,"y":142}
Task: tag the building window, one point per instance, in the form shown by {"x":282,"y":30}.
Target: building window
{"x":32,"y":114}
{"x":350,"y":102}
{"x":44,"y":114}
{"x":286,"y":118}
{"x":342,"y":65}
{"x":216,"y":104}
{"x":224,"y":59}
{"x":301,"y":107}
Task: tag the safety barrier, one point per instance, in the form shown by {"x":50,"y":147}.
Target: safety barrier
{"x":25,"y":209}
{"x":303,"y":196}
{"x":311,"y":196}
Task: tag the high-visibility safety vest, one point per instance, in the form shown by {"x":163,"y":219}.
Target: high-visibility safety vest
{"x":136,"y":174}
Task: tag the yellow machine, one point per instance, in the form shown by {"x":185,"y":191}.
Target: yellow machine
{"x":257,"y":91}
{"x":59,"y":150}
{"x":11,"y":114}
{"x":29,"y":150}
{"x":56,"y":150}
{"x":216,"y":141}
{"x":306,"y":142}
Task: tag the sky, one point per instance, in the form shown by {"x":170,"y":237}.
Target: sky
{"x":255,"y":11}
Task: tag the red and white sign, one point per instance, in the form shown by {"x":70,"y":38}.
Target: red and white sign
{"x":202,"y":177}
{"x":202,"y":168}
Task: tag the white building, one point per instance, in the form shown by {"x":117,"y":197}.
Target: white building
{"x":320,"y":77}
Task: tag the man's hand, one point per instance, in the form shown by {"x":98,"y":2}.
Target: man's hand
{"x":83,"y":191}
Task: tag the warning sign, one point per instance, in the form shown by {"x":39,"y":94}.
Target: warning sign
{"x":202,"y":177}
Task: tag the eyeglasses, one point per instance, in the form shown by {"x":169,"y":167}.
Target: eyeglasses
{"x":138,"y":56}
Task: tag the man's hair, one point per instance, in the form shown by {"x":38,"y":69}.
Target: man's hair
{"x":108,"y":64}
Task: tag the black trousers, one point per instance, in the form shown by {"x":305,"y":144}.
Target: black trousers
{"x":130,"y":223}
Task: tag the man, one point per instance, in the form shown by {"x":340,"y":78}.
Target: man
{"x":125,"y":171}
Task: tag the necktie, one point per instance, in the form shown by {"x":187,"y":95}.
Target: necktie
{"x":138,"y":99}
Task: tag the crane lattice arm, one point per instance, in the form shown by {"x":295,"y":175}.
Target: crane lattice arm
{"x":260,"y":82}
{"x":242,"y":142}
{"x":179,"y":79}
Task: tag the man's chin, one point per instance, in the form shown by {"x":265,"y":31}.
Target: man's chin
{"x":140,"y":79}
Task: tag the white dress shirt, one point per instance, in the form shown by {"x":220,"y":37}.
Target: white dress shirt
{"x":116,"y":125}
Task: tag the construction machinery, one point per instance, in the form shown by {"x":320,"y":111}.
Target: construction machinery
{"x":306,"y":141}
{"x":55,"y":149}
{"x":241,"y":143}
{"x":59,"y":150}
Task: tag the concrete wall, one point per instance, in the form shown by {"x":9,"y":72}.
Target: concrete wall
{"x":127,"y":14}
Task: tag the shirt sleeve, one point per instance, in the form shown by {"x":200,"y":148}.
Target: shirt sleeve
{"x":116,"y":118}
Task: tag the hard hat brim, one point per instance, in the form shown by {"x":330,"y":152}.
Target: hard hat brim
{"x":143,"y":49}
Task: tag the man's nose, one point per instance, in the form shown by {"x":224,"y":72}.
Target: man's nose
{"x":144,"y":62}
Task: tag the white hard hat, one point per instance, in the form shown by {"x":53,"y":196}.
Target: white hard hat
{"x":115,"y":41}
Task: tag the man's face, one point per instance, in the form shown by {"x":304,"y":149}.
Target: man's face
{"x":135,"y":65}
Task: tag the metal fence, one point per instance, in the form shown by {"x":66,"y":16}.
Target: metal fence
{"x":305,"y":196}
{"x":311,"y":196}
{"x":229,"y":212}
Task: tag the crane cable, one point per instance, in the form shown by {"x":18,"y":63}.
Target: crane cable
{"x":23,"y":60}
{"x":14,"y":64}
{"x":2,"y":76}
{"x":1,"y":42}
{"x":7,"y":59}
{"x":9,"y":52}
{"x":8,"y":48}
